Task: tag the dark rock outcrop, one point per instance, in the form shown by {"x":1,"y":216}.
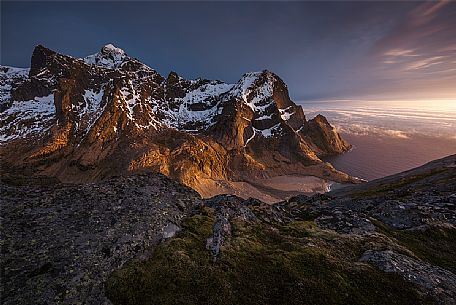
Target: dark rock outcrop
{"x":436,"y":281}
{"x":324,"y":137}
{"x":61,"y":242}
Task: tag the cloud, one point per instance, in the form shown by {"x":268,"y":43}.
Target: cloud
{"x":451,"y":47}
{"x":427,"y":31}
{"x":364,"y":130}
{"x":401,"y":52}
{"x":425,"y":12}
{"x":417,"y":55}
{"x":425,"y":63}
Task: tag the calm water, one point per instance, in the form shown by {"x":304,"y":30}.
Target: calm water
{"x":389,"y":137}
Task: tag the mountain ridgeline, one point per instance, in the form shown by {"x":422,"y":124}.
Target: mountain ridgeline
{"x":108,"y":114}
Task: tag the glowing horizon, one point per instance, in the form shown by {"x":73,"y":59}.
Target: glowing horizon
{"x":435,"y":118}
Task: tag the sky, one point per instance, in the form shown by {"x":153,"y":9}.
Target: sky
{"x":322,"y":50}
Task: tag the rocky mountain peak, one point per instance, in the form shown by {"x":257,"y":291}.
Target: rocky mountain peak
{"x":110,"y":49}
{"x":255,"y":87}
{"x":41,"y":58}
{"x":172,"y":77}
{"x":87,"y":114}
{"x":321,"y":119}
{"x":324,"y":136}
{"x":108,"y":57}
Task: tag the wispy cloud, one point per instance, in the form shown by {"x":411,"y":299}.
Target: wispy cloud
{"x":425,"y":63}
{"x":425,"y":12}
{"x":364,"y":130}
{"x":418,"y":53}
{"x":451,"y":47}
{"x":401,"y":53}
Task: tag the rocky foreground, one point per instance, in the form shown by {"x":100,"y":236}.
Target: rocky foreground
{"x":61,"y":242}
{"x":145,"y":239}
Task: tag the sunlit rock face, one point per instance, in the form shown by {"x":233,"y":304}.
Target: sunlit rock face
{"x":109,"y":114}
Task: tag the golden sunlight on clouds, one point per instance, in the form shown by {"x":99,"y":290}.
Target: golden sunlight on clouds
{"x":427,"y":11}
{"x":401,"y":52}
{"x":418,"y":56}
{"x":426,"y":62}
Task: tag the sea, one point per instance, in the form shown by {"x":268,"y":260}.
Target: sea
{"x":389,"y":137}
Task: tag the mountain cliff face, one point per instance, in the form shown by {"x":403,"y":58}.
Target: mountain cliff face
{"x":109,"y":114}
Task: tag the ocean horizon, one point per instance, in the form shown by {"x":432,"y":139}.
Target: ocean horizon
{"x":389,"y":137}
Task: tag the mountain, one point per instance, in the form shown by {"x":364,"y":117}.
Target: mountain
{"x":147,"y":239}
{"x":85,"y":119}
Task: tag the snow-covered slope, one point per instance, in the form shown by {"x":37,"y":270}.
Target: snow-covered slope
{"x":21,"y":118}
{"x":8,"y":77}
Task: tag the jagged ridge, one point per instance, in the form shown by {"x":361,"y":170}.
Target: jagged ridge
{"x":85,"y":113}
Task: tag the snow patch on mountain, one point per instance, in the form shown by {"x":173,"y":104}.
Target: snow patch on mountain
{"x":257,"y":97}
{"x":93,"y":99}
{"x":264,"y":117}
{"x":242,"y":88}
{"x":266,"y":133}
{"x":9,"y":75}
{"x":286,"y":113}
{"x":26,"y":117}
{"x":13,"y":72}
{"x":269,"y":132}
{"x":130,"y":96}
{"x":140,"y":112}
{"x":251,"y":137}
{"x":92,"y":110}
{"x":206,"y":92}
{"x":109,"y":57}
{"x":205,"y":97}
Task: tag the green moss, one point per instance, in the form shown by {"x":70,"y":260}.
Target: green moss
{"x":299,"y":229}
{"x":259,"y":264}
{"x":436,"y":245}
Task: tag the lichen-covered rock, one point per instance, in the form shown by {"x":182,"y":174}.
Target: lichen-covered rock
{"x":436,"y":281}
{"x":61,"y":242}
